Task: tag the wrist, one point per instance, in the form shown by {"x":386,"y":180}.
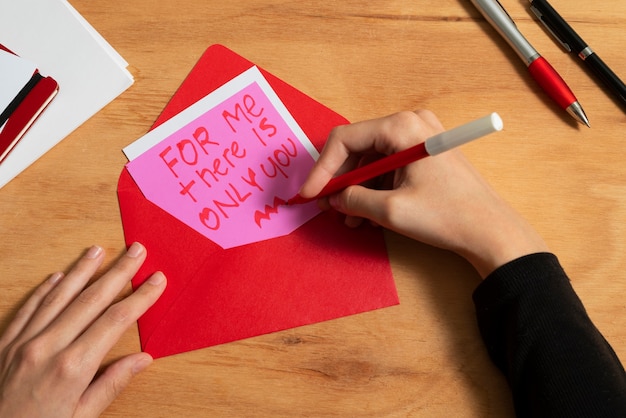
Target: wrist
{"x":501,"y":243}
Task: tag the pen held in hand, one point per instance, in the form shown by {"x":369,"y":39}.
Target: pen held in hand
{"x":434,"y":145}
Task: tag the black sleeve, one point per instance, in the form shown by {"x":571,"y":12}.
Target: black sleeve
{"x":538,"y":333}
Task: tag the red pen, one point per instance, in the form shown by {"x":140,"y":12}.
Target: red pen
{"x":434,"y":145}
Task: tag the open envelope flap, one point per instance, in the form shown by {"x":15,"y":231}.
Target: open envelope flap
{"x":321,"y":271}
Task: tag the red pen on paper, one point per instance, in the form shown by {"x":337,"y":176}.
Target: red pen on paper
{"x":434,"y":145}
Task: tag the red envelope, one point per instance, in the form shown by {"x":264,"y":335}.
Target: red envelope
{"x":321,"y":271}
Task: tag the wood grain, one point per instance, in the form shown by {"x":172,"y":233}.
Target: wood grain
{"x":363,"y":59}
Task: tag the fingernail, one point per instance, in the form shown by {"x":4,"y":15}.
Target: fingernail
{"x":135,"y":250}
{"x":94,"y":252}
{"x":156,"y":279}
{"x":55,"y":278}
{"x":141,"y":364}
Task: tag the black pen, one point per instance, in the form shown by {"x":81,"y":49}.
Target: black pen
{"x":573,"y":43}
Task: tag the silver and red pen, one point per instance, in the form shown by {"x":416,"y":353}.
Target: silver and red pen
{"x":539,"y":68}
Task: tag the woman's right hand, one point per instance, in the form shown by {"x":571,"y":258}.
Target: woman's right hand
{"x":442,"y":200}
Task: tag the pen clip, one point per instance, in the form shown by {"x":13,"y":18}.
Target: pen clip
{"x":539,"y":15}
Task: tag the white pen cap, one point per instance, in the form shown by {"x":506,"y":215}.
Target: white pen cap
{"x":462,"y":134}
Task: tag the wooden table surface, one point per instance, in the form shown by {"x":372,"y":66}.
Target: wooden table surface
{"x":362,"y":59}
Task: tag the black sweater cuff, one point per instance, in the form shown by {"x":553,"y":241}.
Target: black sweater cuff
{"x":538,"y":333}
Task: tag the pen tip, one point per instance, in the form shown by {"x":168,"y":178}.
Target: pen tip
{"x":577,"y":112}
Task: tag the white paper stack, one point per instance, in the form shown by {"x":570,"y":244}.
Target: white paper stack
{"x":65,"y":46}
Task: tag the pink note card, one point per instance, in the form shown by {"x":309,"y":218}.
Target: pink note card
{"x":226,"y":165}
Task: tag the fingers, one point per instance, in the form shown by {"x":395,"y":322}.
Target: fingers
{"x":55,"y":346}
{"x":359,"y":202}
{"x":92,"y":301}
{"x":385,"y":135}
{"x":108,"y":386}
{"x":26,"y":312}
{"x":102,"y":335}
{"x":46,"y":305}
{"x":430,"y":119}
{"x":332,"y":157}
{"x":340,"y":154}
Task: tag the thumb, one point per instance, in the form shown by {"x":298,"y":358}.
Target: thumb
{"x":106,"y":387}
{"x":359,"y":201}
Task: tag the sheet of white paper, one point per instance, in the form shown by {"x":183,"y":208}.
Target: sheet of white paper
{"x":16,"y":72}
{"x":63,"y":46}
{"x":252,"y":75}
{"x":103,"y":43}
